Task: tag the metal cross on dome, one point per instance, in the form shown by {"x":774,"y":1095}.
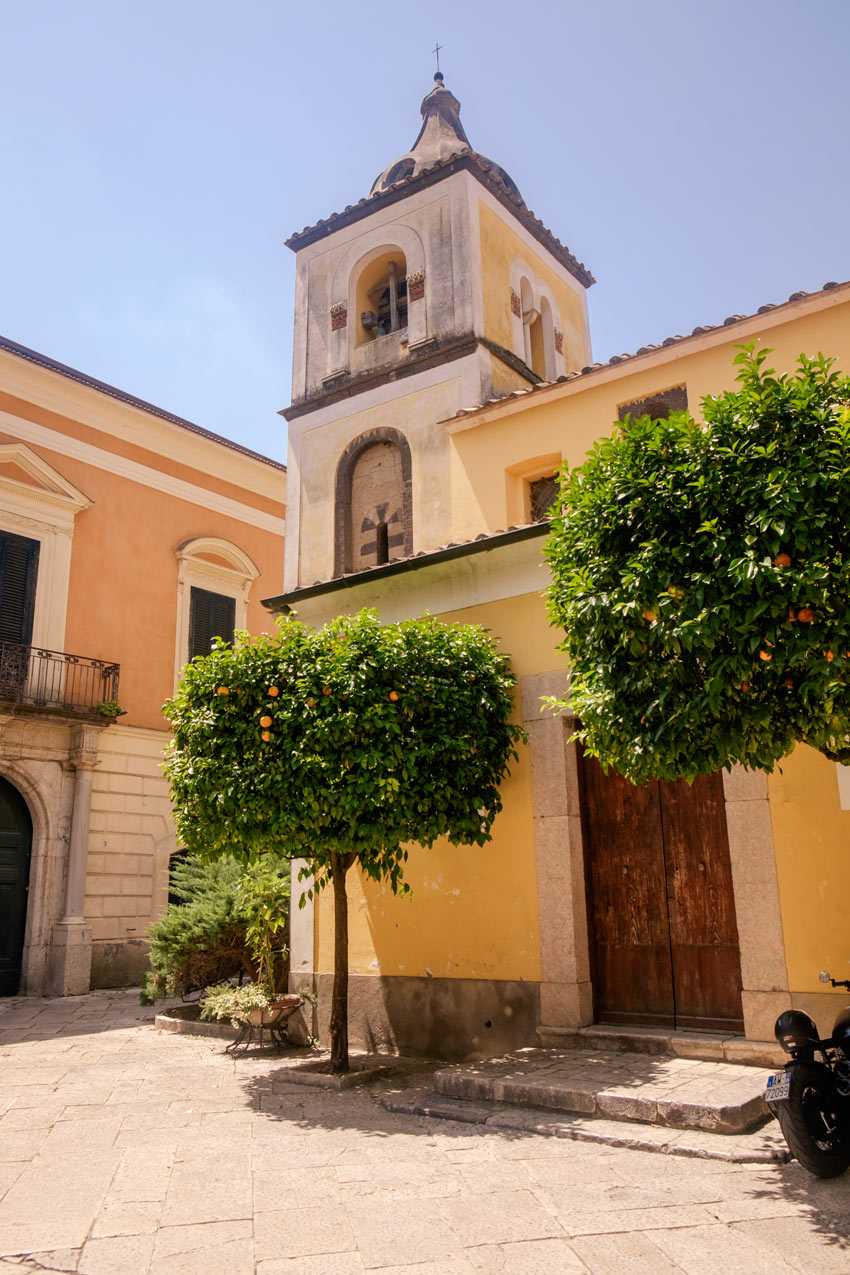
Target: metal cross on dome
{"x":436,"y":52}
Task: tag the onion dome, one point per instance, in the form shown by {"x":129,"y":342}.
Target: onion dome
{"x":441,"y":137}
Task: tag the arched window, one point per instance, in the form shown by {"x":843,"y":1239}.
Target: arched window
{"x":381,"y":297}
{"x":214,"y":579}
{"x":537,"y":329}
{"x":547,"y":340}
{"x":373,"y":502}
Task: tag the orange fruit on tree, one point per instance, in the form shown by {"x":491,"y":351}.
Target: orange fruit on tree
{"x":223,"y":690}
{"x":266,"y":736}
{"x":311,"y":703}
{"x":273,"y":691}
{"x":393,"y":696}
{"x":326,"y":690}
{"x":745,"y":686}
{"x":265,"y":721}
{"x":805,"y":615}
{"x":765,"y":655}
{"x":782,"y":560}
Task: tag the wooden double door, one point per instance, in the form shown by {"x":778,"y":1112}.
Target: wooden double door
{"x":661,"y":910}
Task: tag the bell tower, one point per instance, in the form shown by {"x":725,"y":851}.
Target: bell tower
{"x":437,"y":291}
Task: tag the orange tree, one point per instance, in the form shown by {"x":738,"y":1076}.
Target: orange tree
{"x":342,"y":745}
{"x":701,"y":575}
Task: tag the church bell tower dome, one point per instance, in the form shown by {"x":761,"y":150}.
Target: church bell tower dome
{"x":440,"y":138}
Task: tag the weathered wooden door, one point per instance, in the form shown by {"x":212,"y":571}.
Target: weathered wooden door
{"x":15,"y":842}
{"x":661,"y":911}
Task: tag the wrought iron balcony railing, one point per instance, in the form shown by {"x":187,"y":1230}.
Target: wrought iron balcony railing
{"x":54,"y":681}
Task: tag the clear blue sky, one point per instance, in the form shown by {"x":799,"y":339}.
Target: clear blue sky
{"x":696,"y":157}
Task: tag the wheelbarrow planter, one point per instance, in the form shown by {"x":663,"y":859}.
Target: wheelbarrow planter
{"x":255,"y":1022}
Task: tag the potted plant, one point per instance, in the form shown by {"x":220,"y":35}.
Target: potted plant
{"x":258,"y":1004}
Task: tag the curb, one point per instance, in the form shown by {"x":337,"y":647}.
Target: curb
{"x":762,"y":1147}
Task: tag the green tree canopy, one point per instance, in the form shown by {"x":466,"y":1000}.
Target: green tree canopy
{"x":339,"y":745}
{"x":701,"y":575}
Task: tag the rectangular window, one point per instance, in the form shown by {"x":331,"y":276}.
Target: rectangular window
{"x":542,"y":492}
{"x":658,"y":406}
{"x":211,"y":615}
{"x":18,"y":570}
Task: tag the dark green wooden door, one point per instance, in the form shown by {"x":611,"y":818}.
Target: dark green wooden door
{"x":15,"y":844}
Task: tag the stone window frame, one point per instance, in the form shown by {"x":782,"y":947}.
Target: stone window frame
{"x":45,"y":512}
{"x":343,"y":532}
{"x":193,"y":569}
{"x":536,"y":292}
{"x":518,"y":480}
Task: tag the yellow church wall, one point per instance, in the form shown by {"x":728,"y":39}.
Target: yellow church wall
{"x":493,"y":448}
{"x":473,"y":913}
{"x":811,"y":837}
{"x":500,"y":245}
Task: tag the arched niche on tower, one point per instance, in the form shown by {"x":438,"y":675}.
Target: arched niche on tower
{"x":373,"y":508}
{"x":351,"y":346}
{"x":536,"y":322}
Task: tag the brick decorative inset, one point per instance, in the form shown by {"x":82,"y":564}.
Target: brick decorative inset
{"x":516,"y":304}
{"x":559,"y":341}
{"x":339,"y":316}
{"x":416,"y":285}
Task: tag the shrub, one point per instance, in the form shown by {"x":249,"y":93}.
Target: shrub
{"x":203,"y":938}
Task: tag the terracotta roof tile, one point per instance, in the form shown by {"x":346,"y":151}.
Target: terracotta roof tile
{"x":646,"y":349}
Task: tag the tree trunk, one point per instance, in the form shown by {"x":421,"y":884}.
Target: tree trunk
{"x":339,"y":1002}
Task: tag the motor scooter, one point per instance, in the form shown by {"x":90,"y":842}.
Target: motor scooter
{"x":810,"y":1098}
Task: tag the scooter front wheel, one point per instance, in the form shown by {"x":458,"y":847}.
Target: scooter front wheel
{"x":815,"y":1120}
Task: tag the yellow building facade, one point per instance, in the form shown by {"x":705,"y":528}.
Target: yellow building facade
{"x":441,"y":376}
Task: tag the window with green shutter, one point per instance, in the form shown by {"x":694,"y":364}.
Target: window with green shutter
{"x":18,"y":570}
{"x":211,"y":615}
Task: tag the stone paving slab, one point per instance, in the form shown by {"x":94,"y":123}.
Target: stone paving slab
{"x":202,"y":1163}
{"x":679,"y":1093}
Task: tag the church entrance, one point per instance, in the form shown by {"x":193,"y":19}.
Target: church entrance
{"x":15,"y":844}
{"x":661,"y":911}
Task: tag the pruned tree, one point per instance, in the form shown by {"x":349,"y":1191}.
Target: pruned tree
{"x":342,"y":746}
{"x":701,"y":575}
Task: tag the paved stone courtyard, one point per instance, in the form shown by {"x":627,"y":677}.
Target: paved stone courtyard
{"x":126,"y":1151}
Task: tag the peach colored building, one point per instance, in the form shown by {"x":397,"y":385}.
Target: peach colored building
{"x":128,"y":538}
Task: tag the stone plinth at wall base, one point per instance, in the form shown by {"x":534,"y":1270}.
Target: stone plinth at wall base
{"x":119,"y":964}
{"x":446,"y":1018}
{"x":699,"y":1046}
{"x":69,"y":968}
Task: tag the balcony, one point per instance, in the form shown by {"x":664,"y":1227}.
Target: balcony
{"x":55,"y":682}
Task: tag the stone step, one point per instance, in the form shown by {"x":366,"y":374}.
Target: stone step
{"x":711,"y":1046}
{"x":763,"y":1146}
{"x":655,"y":1089}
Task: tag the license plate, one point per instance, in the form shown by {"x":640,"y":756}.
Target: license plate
{"x":778,"y":1086}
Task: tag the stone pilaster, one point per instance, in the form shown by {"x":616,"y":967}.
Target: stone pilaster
{"x":565,"y":990}
{"x":764,"y":973}
{"x":71,"y":946}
